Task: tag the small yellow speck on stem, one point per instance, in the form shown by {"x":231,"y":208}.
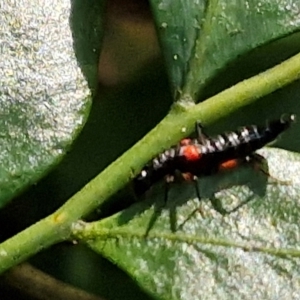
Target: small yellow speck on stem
{"x":59,"y":218}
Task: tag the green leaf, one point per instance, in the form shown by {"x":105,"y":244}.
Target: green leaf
{"x":44,"y":96}
{"x":200,"y":37}
{"x":191,"y":250}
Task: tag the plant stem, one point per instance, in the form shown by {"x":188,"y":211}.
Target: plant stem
{"x":183,"y":115}
{"x":32,"y":240}
{"x":39,"y":285}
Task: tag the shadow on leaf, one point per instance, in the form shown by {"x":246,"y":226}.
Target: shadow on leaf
{"x":216,"y":189}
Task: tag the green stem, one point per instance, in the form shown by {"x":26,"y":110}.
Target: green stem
{"x":183,"y":115}
{"x":37,"y":237}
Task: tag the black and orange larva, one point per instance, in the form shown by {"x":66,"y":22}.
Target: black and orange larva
{"x":206,"y":155}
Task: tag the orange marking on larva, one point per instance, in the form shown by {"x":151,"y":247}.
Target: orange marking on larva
{"x":229,"y":164}
{"x":185,"y":142}
{"x":191,"y":153}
